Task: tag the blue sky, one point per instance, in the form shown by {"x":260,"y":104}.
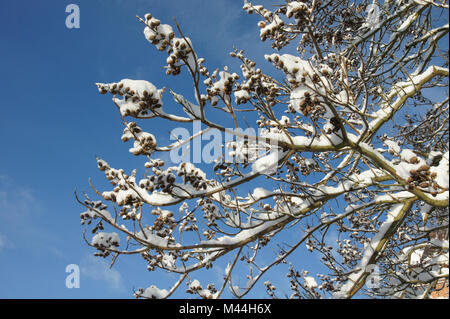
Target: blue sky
{"x":53,"y":122}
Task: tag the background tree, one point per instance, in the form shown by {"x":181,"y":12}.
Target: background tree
{"x":351,"y":150}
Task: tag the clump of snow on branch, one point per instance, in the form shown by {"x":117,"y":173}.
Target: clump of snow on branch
{"x":139,"y":97}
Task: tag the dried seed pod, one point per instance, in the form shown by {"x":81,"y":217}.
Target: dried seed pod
{"x":424,"y":184}
{"x":302,"y":104}
{"x":307,"y":109}
{"x":316,"y":78}
{"x":423,"y":168}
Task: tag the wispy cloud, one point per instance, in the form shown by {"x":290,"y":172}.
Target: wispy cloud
{"x":21,"y":214}
{"x":98,"y":269}
{"x":16,"y":202}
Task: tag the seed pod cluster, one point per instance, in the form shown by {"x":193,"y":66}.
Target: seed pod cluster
{"x":279,"y":124}
{"x":163,"y":222}
{"x":263,"y":122}
{"x":125,"y":197}
{"x":180,"y":49}
{"x":349,"y":252}
{"x":291,"y":175}
{"x":219,"y":85}
{"x":154,"y":163}
{"x":194,"y":287}
{"x":345,"y":24}
{"x":103,"y":241}
{"x":111,"y":174}
{"x":147,"y":184}
{"x":308,"y":104}
{"x":144,"y":142}
{"x":304,"y":165}
{"x":209,"y":234}
{"x":270,"y":288}
{"x":192,"y":175}
{"x":255,"y":83}
{"x":423,"y":178}
{"x":163,"y":180}
{"x":306,"y":82}
{"x":130,"y":131}
{"x":98,"y":227}
{"x":102,"y":165}
{"x":86,"y":217}
{"x":158,"y":34}
{"x":223,"y":169}
{"x":273,"y":26}
{"x":152,"y":262}
{"x":91,"y":214}
{"x":210,"y":211}
{"x":129,"y":210}
{"x":270,"y":28}
{"x":241,"y":97}
{"x":297,"y":10}
{"x":189,"y":223}
{"x":203,"y":69}
{"x":279,"y":63}
{"x":139,"y":97}
{"x":124,"y":191}
{"x":258,"y":8}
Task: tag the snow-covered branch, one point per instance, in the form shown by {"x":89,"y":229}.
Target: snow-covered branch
{"x":341,"y":150}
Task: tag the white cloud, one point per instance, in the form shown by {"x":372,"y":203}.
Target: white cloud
{"x":99,"y":269}
{"x":21,"y":219}
{"x":16,"y":202}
